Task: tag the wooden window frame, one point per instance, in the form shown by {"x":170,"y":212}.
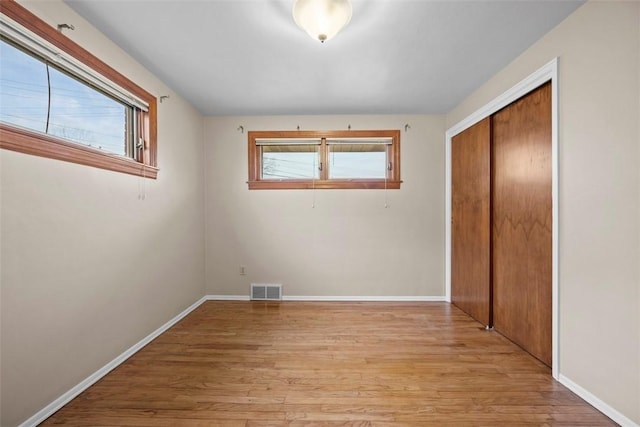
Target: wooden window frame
{"x":39,"y":144}
{"x":392,"y":181}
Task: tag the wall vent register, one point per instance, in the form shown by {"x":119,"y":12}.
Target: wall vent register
{"x":266,"y":292}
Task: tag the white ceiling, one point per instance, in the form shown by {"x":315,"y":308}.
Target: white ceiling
{"x":248,"y":57}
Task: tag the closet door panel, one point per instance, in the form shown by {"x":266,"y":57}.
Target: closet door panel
{"x":521,"y":222}
{"x":470,"y":221}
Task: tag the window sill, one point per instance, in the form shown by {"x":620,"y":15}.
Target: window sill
{"x":35,"y":143}
{"x":362,"y":184}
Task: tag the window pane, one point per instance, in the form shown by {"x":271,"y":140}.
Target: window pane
{"x":352,"y":161}
{"x":84,"y":115}
{"x":77,"y":112}
{"x":23,"y":89}
{"x":290,"y":162}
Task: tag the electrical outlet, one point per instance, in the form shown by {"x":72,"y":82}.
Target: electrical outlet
{"x":242,"y":271}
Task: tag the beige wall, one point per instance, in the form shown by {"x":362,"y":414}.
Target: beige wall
{"x":88,"y":269}
{"x":349,"y":244}
{"x":73,"y":297}
{"x":599,"y":77}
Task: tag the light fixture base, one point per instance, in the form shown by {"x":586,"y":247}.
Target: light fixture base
{"x":322,"y":19}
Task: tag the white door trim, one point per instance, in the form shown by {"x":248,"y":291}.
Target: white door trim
{"x":548,"y":72}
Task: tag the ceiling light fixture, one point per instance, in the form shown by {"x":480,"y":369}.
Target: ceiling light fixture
{"x":322,"y":19}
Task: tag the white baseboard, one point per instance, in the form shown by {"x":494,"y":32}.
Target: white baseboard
{"x":597,"y":403}
{"x":363,"y":298}
{"x":333,"y":298}
{"x":51,"y":408}
{"x":227,"y":297}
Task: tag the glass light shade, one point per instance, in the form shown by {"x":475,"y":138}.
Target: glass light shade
{"x":322,"y":19}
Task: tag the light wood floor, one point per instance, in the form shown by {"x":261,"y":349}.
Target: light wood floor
{"x":331,"y":364}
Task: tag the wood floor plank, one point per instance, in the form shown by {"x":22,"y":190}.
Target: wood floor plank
{"x":328,"y":364}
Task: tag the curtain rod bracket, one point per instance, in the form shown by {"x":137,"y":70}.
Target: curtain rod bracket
{"x":407,"y":127}
{"x":241,"y":128}
{"x":65,"y":27}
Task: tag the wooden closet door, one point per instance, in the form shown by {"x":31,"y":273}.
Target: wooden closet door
{"x":521,"y":222}
{"x":470,"y":221}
